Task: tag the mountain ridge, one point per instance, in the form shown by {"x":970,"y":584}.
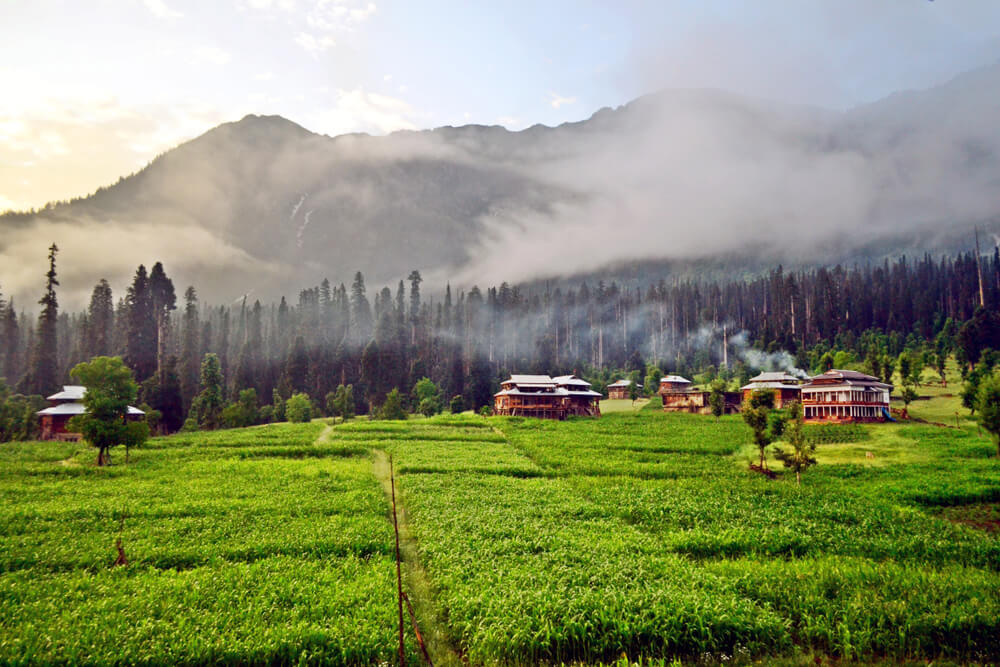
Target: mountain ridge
{"x":673,"y":175}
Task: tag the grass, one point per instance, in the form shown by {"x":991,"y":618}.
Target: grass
{"x":640,"y":537}
{"x":273,"y":558}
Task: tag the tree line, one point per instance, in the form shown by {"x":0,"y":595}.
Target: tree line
{"x":362,"y":344}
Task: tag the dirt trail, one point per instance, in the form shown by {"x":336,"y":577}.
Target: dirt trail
{"x":416,"y":583}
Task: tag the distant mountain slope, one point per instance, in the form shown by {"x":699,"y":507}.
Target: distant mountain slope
{"x":265,"y":204}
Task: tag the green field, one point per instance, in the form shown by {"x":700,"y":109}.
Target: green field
{"x":639,"y":536}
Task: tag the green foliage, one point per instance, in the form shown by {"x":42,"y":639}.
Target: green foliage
{"x":800,"y":456}
{"x":485,"y":411}
{"x":634,"y":391}
{"x":765,"y":422}
{"x":988,"y":406}
{"x":208,"y":405}
{"x":429,"y":407}
{"x":18,"y":420}
{"x":651,"y":384}
{"x":110,"y":389}
{"x":205,"y":514}
{"x":277,"y":406}
{"x":424,"y":390}
{"x":298,"y":408}
{"x":393,"y":406}
{"x":717,"y":399}
{"x":343,"y":402}
{"x":243,"y":412}
{"x":457,"y":404}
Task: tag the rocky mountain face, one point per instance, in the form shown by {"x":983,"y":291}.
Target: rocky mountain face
{"x":670,"y":178}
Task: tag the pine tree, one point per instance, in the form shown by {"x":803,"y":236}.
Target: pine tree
{"x":207,"y":407}
{"x":10,"y":337}
{"x":140,"y":345}
{"x":190,"y":347}
{"x":361,"y":313}
{"x":100,"y":321}
{"x":42,"y":374}
{"x":162,"y":300}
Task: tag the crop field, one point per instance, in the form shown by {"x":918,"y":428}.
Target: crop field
{"x":640,"y":534}
{"x":280,"y":555}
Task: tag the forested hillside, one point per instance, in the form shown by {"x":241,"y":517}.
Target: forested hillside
{"x":380,"y":339}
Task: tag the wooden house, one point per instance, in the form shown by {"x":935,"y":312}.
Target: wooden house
{"x":673,"y":384}
{"x":620,"y":390}
{"x":786,"y":387}
{"x":678,"y":396}
{"x":531,"y":396}
{"x":582,"y":400}
{"x":845,"y":396}
{"x":65,"y":405}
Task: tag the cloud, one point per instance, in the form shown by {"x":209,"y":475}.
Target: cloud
{"x":210,"y":55}
{"x":327,"y":19}
{"x":361,"y":111}
{"x":185,"y":252}
{"x":315,"y":46}
{"x":160,"y":10}
{"x":557,"y":100}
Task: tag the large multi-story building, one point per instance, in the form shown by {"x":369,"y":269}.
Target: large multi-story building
{"x":845,"y":396}
{"x":546,"y":397}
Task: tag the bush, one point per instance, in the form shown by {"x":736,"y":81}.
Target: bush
{"x":457,"y":404}
{"x":429,"y":407}
{"x":298,"y":408}
{"x":486,"y":411}
{"x":393,"y":407}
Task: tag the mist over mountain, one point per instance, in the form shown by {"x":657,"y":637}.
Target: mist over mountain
{"x":681,"y":178}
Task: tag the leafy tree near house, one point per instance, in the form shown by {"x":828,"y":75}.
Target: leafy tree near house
{"x":634,"y":392}
{"x":717,"y":398}
{"x":800,"y":456}
{"x":110,"y":389}
{"x":766,"y":423}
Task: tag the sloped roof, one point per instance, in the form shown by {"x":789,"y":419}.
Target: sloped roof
{"x":531,"y":379}
{"x":775,"y":376}
{"x":855,"y":378}
{"x":517,"y":392}
{"x":77,"y":409}
{"x":622,"y":383}
{"x":769,"y":385}
{"x":675,"y":378}
{"x":570,"y":379}
{"x":70,"y":392}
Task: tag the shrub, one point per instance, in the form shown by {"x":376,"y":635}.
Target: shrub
{"x":457,"y":404}
{"x":299,"y":408}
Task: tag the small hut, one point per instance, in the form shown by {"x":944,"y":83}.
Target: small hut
{"x":65,"y":405}
{"x":620,"y":389}
{"x":672,"y":384}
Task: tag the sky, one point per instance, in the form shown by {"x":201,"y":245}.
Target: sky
{"x":93,"y":90}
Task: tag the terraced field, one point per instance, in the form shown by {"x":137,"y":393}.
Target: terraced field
{"x":640,"y":535}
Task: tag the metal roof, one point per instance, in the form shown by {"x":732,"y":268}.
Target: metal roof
{"x":769,"y":385}
{"x":850,"y":378}
{"x":517,"y":392}
{"x":776,"y":376}
{"x":530,"y":379}
{"x":70,"y":392}
{"x":624,"y":383}
{"x":77,"y":409}
{"x":676,"y":379}
{"x":588,"y":392}
{"x":570,"y":379}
